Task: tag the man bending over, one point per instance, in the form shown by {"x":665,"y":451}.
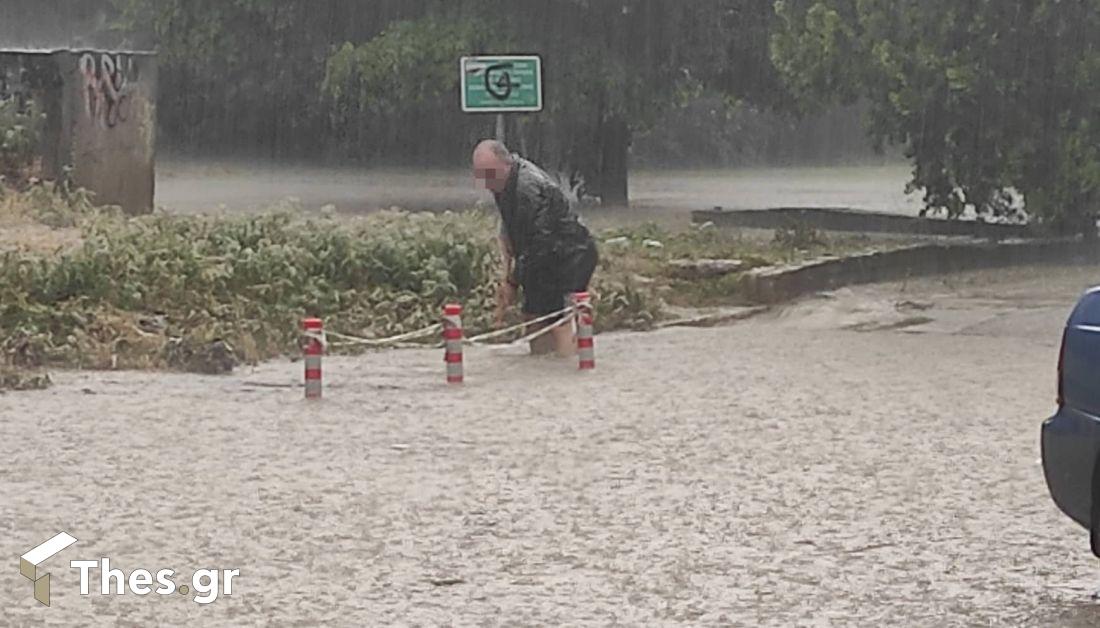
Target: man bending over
{"x":545,"y":247}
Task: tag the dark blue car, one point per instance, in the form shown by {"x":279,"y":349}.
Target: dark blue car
{"x":1071,"y":438}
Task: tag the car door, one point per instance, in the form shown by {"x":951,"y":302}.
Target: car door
{"x":1070,"y":438}
{"x":1080,"y":386}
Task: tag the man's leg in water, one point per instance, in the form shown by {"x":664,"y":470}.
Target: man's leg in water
{"x":565,"y":340}
{"x":538,"y":303}
{"x":579,"y":273}
{"x":561,"y":340}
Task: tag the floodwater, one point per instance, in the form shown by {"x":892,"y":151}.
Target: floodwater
{"x":867,"y":458}
{"x":655,"y":195}
{"x":876,"y":188}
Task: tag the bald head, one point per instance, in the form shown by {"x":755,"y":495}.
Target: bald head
{"x":492,"y":165}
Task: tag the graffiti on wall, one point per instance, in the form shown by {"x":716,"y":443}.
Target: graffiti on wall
{"x":107,"y":87}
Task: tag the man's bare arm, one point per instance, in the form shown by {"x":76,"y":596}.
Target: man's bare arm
{"x":506,"y":291}
{"x":508,"y":258}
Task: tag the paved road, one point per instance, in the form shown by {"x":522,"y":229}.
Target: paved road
{"x":866,"y":459}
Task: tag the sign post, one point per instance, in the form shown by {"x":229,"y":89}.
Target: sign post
{"x":501,"y":84}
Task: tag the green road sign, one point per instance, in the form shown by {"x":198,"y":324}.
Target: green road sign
{"x":501,"y":84}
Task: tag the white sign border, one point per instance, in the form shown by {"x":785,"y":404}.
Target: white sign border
{"x":462,"y":74}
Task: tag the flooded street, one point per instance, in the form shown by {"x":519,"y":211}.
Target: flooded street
{"x":868,"y":458}
{"x":180,"y":182}
{"x":190,"y":188}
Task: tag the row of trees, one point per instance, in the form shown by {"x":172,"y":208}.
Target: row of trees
{"x":992,"y":100}
{"x":379,"y":80}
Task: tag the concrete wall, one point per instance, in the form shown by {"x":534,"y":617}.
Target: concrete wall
{"x":100,"y":119}
{"x":109,"y":125}
{"x":775,"y":284}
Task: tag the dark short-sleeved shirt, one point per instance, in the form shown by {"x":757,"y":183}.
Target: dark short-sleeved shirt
{"x":539,"y":223}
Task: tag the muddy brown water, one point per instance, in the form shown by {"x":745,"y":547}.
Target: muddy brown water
{"x":786,"y":470}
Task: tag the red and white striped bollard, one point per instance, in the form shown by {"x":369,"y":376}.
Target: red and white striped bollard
{"x":586,"y":348}
{"x":452,"y":342}
{"x":312,"y":349}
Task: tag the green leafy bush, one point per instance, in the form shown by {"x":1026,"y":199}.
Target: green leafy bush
{"x":20,"y":125}
{"x":154,"y":291}
{"x":246,"y":280}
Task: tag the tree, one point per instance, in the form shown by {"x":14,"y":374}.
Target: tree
{"x":611,"y":67}
{"x":614,"y":66}
{"x":378,"y":81}
{"x":991,"y":99}
{"x":596,"y":85}
{"x":401,"y":80}
{"x":245,"y":75}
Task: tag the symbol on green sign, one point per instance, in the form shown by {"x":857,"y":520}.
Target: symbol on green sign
{"x":503,"y":83}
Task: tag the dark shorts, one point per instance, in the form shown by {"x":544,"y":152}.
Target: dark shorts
{"x":548,"y":291}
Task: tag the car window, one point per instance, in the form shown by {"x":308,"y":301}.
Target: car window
{"x":1087,"y":311}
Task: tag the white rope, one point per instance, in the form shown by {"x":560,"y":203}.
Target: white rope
{"x":567,"y":314}
{"x":349,"y":339}
{"x":527,"y":338}
{"x":508,"y":330}
{"x":431,"y":329}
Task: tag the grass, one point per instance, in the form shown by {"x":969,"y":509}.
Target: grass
{"x":101,"y":290}
{"x":627,"y":256}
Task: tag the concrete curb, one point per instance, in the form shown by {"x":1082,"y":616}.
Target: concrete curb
{"x":775,"y":284}
{"x":715,"y":319}
{"x":844,"y":219}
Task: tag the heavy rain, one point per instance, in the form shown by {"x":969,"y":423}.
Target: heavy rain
{"x":549,"y":312}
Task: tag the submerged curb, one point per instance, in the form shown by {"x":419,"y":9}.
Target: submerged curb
{"x":855,"y":220}
{"x":775,"y":284}
{"x":714,"y":319}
